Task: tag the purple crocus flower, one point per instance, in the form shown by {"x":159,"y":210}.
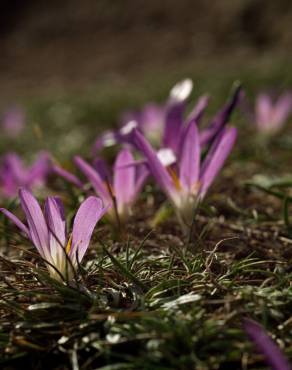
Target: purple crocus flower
{"x":175,"y":123}
{"x":13,"y":173}
{"x":186,"y":182}
{"x":169,"y":120}
{"x":13,"y":121}
{"x":152,"y":120}
{"x":119,"y":191}
{"x":47,"y":231}
{"x":270,"y":115}
{"x":265,"y":345}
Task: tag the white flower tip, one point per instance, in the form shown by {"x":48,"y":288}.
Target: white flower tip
{"x":166,"y":156}
{"x":109,"y":139}
{"x":128,"y":127}
{"x":181,"y":91}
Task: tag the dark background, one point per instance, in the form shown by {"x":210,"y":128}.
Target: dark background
{"x":69,"y":44}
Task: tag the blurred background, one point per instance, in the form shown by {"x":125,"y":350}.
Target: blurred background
{"x":83,"y":62}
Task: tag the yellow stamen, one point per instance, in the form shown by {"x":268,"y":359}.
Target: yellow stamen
{"x":175,"y":178}
{"x":69,"y":245}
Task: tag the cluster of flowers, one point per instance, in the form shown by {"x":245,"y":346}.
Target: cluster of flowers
{"x":182,"y":154}
{"x":175,"y":164}
{"x":183,"y":157}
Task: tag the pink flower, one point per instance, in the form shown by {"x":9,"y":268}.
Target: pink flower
{"x":270,"y":116}
{"x":47,"y":231}
{"x":13,"y":173}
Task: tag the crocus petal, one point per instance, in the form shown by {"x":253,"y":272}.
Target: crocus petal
{"x":68,"y":176}
{"x":221,"y":118}
{"x":124,"y":179}
{"x":55,"y":217}
{"x":94,"y":178}
{"x":88,"y":214}
{"x":13,"y":165}
{"x":273,"y":355}
{"x":107,"y":139}
{"x":8,"y":188}
{"x":166,"y":156}
{"x":128,"y":128}
{"x":39,"y":170}
{"x":16,"y":221}
{"x":111,"y":138}
{"x":212,"y":149}
{"x":173,"y":126}
{"x":142,"y":172}
{"x":102,"y":169}
{"x":190,"y":158}
{"x":263,"y":111}
{"x":198,"y":109}
{"x":182,"y":90}
{"x":157,"y":169}
{"x":54,"y":213}
{"x":38,"y":229}
{"x":174,"y":114}
{"x":216,"y":158}
{"x":12,"y":174}
{"x":282,"y":109}
{"x":152,"y":118}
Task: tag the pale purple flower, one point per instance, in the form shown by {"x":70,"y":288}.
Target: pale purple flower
{"x":266,"y":346}
{"x":176,"y":124}
{"x":271,"y":115}
{"x":118,"y":190}
{"x":14,"y":174}
{"x":152,"y":120}
{"x":186,"y":181}
{"x":164,"y":125}
{"x":13,"y":121}
{"x":47,"y":231}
